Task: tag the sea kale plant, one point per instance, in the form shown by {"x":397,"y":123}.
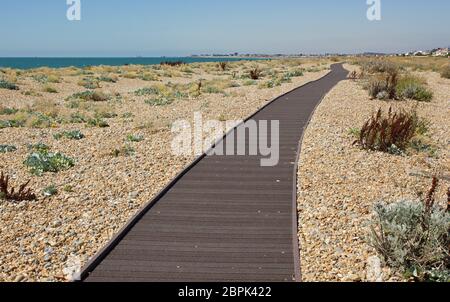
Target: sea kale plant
{"x":7,"y":148}
{"x":41,"y":161}
{"x":413,"y":237}
{"x":8,"y":85}
{"x":74,"y":135}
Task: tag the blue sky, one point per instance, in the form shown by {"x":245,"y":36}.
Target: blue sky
{"x":183,"y":27}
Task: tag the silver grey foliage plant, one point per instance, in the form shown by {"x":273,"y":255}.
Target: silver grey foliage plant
{"x":412,"y":237}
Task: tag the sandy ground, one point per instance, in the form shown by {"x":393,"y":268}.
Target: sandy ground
{"x":339,"y":183}
{"x":44,"y":240}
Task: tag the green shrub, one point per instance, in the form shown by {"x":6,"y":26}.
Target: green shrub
{"x":40,"y":78}
{"x":50,"y":191}
{"x":149,"y":77}
{"x":107,"y":79}
{"x":74,"y":135}
{"x":128,"y":115}
{"x":43,"y":161}
{"x":146,"y":91}
{"x":212,"y":90}
{"x":8,"y":111}
{"x":135,"y":138}
{"x":50,"y":89}
{"x":411,"y":87}
{"x":159,"y":102}
{"x":41,"y":120}
{"x":89,"y":83}
{"x":270,"y":84}
{"x":295,"y":73}
{"x":250,"y":83}
{"x":124,"y":151}
{"x":77,"y":118}
{"x":93,"y":96}
{"x":7,"y":85}
{"x":96,"y":122}
{"x":7,"y":148}
{"x":39,"y":147}
{"x":14,"y":123}
{"x":413,"y":237}
{"x":105,"y":115}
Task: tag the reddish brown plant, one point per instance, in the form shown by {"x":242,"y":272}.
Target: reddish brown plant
{"x":255,"y":73}
{"x":383,"y":132}
{"x":223,"y":65}
{"x":23,"y":194}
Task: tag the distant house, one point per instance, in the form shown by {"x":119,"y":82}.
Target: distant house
{"x":421,"y":53}
{"x":441,"y":52}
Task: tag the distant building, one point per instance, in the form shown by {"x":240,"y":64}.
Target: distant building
{"x":421,"y":53}
{"x":441,"y":52}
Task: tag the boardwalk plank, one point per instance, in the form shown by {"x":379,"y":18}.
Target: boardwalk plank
{"x":225,"y":218}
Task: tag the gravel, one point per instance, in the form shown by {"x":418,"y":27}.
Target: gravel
{"x":49,"y":239}
{"x":339,"y":183}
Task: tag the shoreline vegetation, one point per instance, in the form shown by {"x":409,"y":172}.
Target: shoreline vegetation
{"x":95,"y":144}
{"x":89,"y":146}
{"x":374,"y":175}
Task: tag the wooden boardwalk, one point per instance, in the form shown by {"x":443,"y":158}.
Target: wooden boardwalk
{"x":225,"y":218}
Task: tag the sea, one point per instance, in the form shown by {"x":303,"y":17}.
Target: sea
{"x":30,"y":63}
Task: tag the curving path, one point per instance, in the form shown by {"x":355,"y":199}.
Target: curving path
{"x":225,"y":218}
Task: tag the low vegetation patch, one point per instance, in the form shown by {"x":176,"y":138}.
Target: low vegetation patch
{"x":97,"y":122}
{"x":74,"y":135}
{"x":413,"y":237}
{"x":383,"y":86}
{"x":412,"y":87}
{"x":270,"y":84}
{"x":49,"y":89}
{"x":107,"y":79}
{"x":10,"y":194}
{"x":89,"y":83}
{"x":13,"y":123}
{"x":124,"y":151}
{"x":159,"y":101}
{"x":92,"y":96}
{"x":379,"y":66}
{"x":391,"y":132}
{"x":8,"y":85}
{"x":135,"y":138}
{"x":173,"y":63}
{"x":8,"y":111}
{"x":41,"y":161}
{"x":7,"y":148}
{"x":50,"y":191}
{"x":445,"y":73}
{"x":385,"y":82}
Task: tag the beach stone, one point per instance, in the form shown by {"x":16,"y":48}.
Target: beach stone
{"x":374,"y":270}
